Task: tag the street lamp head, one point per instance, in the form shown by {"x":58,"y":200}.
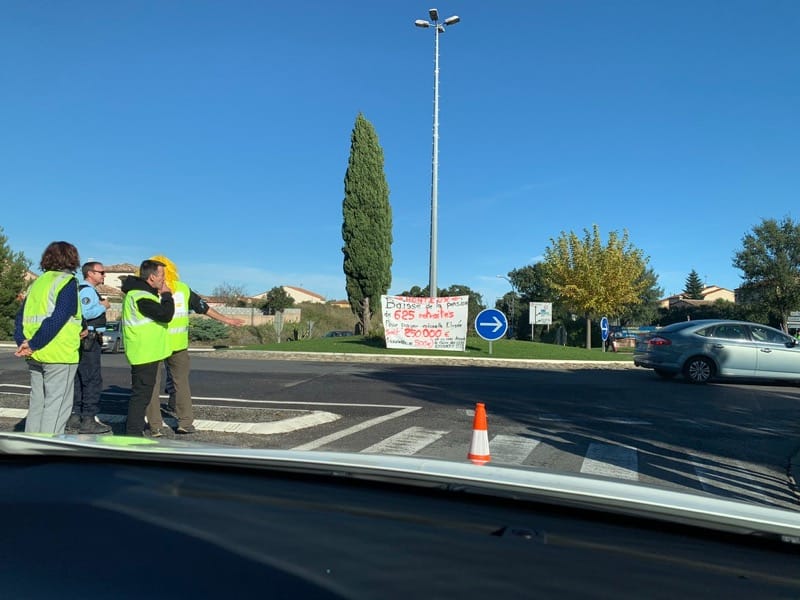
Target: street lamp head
{"x":434,"y":14}
{"x":452,"y":20}
{"x":421,"y":23}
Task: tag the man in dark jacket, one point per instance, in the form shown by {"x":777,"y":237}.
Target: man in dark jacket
{"x":147,"y":309}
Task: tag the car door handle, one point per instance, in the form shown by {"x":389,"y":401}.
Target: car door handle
{"x":767,"y":350}
{"x":718,"y":346}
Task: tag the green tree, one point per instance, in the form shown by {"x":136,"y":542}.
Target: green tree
{"x":367,"y":225}
{"x":646,"y":311}
{"x":13,"y":266}
{"x":693,"y":289}
{"x":207,"y":330}
{"x":595,"y":279}
{"x":719,"y":309}
{"x":770,"y":263}
{"x":530,"y":282}
{"x":531,"y":286}
{"x":277,"y":299}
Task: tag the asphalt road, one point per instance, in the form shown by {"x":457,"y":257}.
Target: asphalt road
{"x":733,"y":440}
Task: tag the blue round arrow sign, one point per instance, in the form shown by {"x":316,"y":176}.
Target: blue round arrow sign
{"x":604,"y":328}
{"x":491,"y":324}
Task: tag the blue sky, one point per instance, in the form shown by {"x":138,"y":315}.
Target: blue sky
{"x":217,"y":133}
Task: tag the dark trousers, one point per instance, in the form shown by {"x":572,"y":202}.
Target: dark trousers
{"x":143,"y":380}
{"x":88,"y":379}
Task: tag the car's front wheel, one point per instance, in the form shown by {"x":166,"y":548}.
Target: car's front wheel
{"x":698,"y":369}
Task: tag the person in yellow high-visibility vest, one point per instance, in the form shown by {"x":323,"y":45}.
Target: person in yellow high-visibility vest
{"x":48,"y":333}
{"x":147,"y":309}
{"x":177,"y":362}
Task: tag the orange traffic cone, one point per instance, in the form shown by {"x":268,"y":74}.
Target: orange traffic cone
{"x":479,"y":450}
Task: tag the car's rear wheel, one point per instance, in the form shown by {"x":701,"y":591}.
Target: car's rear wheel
{"x":698,"y":369}
{"x":665,"y":374}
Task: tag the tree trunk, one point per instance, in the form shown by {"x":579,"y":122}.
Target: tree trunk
{"x":588,"y":333}
{"x":366,"y":316}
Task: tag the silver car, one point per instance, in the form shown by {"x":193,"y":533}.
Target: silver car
{"x":112,"y":337}
{"x":702,"y":350}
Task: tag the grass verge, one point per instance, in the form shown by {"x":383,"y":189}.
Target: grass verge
{"x":476,"y":347}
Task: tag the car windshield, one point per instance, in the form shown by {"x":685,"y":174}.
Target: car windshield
{"x":558,"y":245}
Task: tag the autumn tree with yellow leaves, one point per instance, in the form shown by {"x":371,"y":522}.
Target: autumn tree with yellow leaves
{"x":596,"y":279}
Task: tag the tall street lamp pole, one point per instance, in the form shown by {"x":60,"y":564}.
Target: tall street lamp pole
{"x":437,"y":29}
{"x":511,"y":317}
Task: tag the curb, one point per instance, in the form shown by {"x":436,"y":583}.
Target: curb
{"x":472,"y":361}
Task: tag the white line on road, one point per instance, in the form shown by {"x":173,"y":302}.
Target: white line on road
{"x":407,"y":442}
{"x":511,"y":449}
{"x":314,"y":444}
{"x":621,"y":462}
{"x":310,"y":419}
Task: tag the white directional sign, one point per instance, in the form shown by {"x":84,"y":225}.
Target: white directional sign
{"x":540,"y":313}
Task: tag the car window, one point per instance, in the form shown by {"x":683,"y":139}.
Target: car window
{"x":730,"y":332}
{"x":769,"y":335}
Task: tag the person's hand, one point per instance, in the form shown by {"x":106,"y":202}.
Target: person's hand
{"x":105,"y":303}
{"x":23,"y":350}
{"x":164,"y":288}
{"x":84,"y":333}
{"x":234,"y":321}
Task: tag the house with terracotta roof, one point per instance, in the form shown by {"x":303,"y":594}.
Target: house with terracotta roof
{"x":710,"y":294}
{"x":115,"y":274}
{"x":297,"y":293}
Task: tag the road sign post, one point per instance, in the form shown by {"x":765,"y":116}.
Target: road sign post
{"x":604,"y":329}
{"x":491,"y":324}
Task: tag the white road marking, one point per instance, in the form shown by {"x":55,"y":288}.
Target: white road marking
{"x":407,"y":442}
{"x":14,"y":413}
{"x":511,"y":449}
{"x":623,"y":421}
{"x":309,"y":419}
{"x":314,"y":444}
{"x":621,"y":462}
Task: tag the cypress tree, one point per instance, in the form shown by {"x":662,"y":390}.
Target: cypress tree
{"x":367,"y":224}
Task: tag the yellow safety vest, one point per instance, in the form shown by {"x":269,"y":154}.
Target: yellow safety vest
{"x":39,"y":305}
{"x":179,"y":326}
{"x":145,"y":340}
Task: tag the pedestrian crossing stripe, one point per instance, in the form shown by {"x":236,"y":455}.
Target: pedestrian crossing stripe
{"x":620,"y":462}
{"x":407,"y":442}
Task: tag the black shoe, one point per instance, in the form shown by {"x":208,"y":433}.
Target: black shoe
{"x":73,"y":423}
{"x":185,"y":430}
{"x":92,"y":425}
